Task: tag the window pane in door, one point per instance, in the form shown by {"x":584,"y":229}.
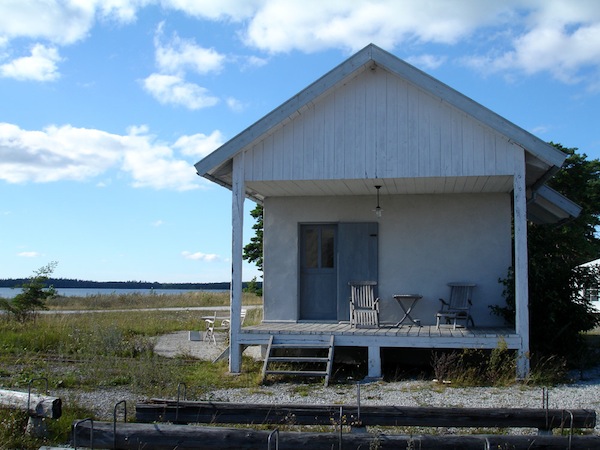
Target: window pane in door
{"x":327,"y":247}
{"x":311,"y":248}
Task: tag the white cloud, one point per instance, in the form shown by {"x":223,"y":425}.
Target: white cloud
{"x":199,"y":256}
{"x":158,"y":223}
{"x":540,"y":130}
{"x":180,"y":55}
{"x":255,"y":61}
{"x":561,"y":37}
{"x":79,"y":154}
{"x":291,"y":25}
{"x":55,"y":153}
{"x":61,"y":21}
{"x":172,"y":89}
{"x":215,"y":10}
{"x":235,"y":105}
{"x":174,"y":59}
{"x":153,"y":166}
{"x":427,"y":62}
{"x":199,"y":145}
{"x":40,"y":66}
{"x":558,"y":37}
{"x":29,"y":254}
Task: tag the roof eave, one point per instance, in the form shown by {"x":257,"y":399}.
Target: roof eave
{"x":549,"y":206}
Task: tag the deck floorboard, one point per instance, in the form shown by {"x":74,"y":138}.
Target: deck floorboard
{"x":385,"y":336}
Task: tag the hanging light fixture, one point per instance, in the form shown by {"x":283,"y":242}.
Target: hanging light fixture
{"x":378,"y":209}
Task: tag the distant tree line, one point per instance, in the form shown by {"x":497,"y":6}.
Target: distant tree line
{"x":65,"y":283}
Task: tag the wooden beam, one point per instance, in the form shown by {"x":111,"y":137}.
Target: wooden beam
{"x":521,"y":262}
{"x":374,"y":366}
{"x":167,"y":437}
{"x":35,"y":405}
{"x":238,"y":413}
{"x":237,"y":248}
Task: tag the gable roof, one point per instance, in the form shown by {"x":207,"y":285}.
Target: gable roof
{"x":542,"y":159}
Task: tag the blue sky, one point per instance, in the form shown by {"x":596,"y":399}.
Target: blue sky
{"x":106,"y":105}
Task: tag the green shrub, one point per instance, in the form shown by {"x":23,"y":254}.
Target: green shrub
{"x":33,"y":296}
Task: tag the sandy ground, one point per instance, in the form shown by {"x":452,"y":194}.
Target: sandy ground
{"x":179,"y":344}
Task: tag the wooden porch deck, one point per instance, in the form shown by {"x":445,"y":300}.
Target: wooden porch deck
{"x":407,"y":336}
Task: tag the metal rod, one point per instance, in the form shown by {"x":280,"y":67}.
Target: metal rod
{"x":178,"y":396}
{"x":341,"y":421}
{"x":124,"y":403}
{"x":546,"y":403}
{"x":276,"y":433}
{"x":570,"y":428}
{"x":358,"y":401}
{"x":91,"y":432}
{"x":29,"y":390}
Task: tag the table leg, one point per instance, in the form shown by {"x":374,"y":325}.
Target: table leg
{"x":407,"y":313}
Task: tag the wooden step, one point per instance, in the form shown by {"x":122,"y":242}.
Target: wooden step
{"x":304,"y":359}
{"x":316,"y":346}
{"x":304,"y":373}
{"x":300,"y":360}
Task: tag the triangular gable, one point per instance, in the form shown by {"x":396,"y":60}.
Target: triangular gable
{"x":542,"y":159}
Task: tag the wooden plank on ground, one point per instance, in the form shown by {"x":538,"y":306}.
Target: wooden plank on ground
{"x":235,"y":413}
{"x":132,"y":436}
{"x":39,"y":405}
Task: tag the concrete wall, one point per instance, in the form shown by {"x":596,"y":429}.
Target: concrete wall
{"x":425,"y":241}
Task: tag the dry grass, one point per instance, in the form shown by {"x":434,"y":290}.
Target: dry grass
{"x":140,"y":301}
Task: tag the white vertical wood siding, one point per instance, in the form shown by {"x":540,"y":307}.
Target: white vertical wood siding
{"x":379,"y":126}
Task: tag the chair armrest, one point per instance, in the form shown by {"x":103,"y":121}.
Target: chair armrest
{"x":444,"y":303}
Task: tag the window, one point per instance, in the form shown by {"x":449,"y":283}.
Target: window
{"x":318,"y":247}
{"x":591,"y":295}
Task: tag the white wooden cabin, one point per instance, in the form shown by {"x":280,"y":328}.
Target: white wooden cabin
{"x":454,"y":178}
{"x":593,"y":294}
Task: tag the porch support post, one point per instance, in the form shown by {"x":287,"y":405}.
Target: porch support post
{"x":374,"y":362}
{"x":238,"y":196}
{"x":521,"y":264}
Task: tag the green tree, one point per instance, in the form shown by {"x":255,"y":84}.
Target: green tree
{"x":558,"y":311}
{"x":253,"y":252}
{"x":33,"y":296}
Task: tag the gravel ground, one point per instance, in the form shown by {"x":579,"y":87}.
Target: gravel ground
{"x":581,"y":394}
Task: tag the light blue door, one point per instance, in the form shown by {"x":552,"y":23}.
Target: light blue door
{"x":332,"y":255}
{"x":318,"y":277}
{"x":357,"y":259}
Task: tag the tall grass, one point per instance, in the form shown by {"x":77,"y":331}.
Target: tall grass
{"x":137,"y":300}
{"x":88,"y":351}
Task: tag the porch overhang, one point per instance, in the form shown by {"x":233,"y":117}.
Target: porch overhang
{"x":548,"y":206}
{"x":544,"y":205}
